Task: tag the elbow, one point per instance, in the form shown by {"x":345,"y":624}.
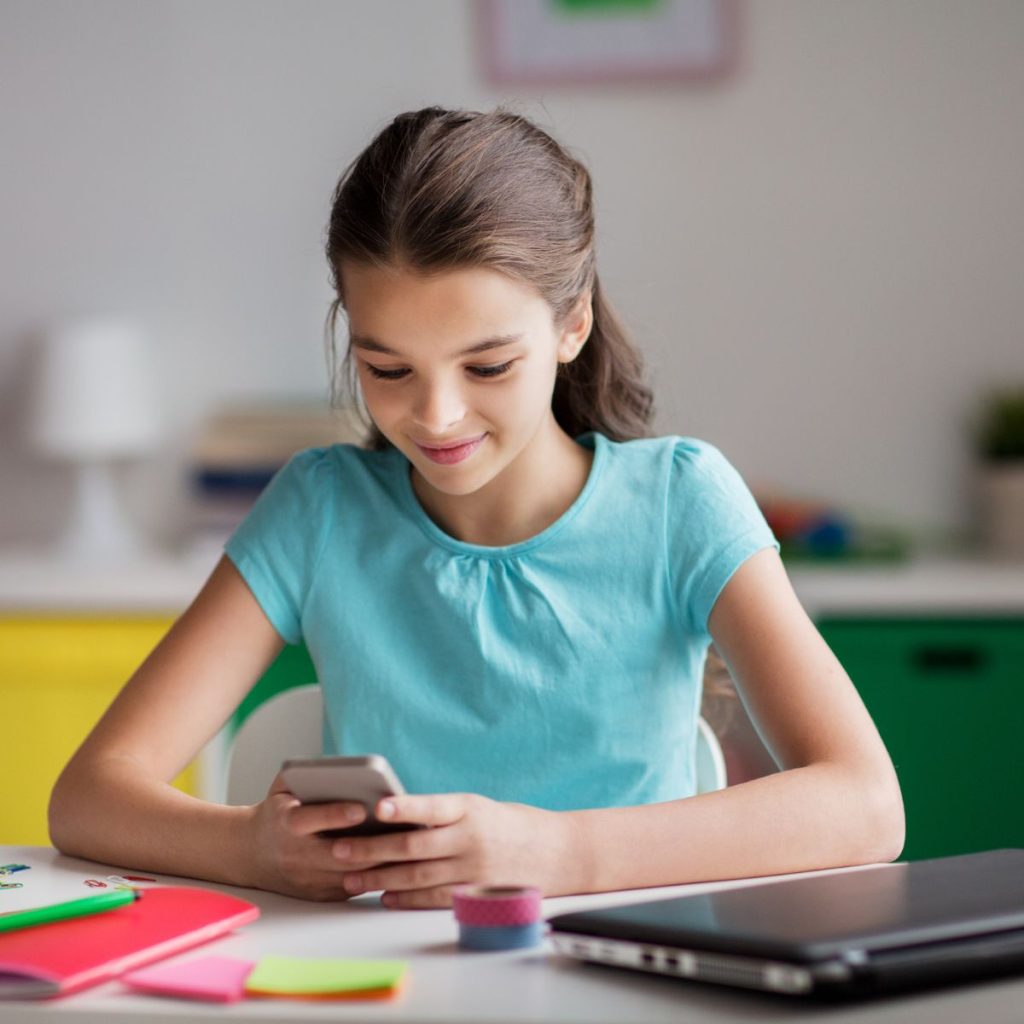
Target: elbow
{"x":61,"y":816}
{"x":57,"y":818}
{"x":883,"y":831}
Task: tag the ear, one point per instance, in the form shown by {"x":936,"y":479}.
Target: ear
{"x":577,"y":329}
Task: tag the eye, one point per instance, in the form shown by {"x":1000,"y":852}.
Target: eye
{"x":394,"y":375}
{"x":492,"y":371}
{"x":385,"y":374}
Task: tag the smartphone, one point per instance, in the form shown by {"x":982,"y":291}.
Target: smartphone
{"x":365,"y":780}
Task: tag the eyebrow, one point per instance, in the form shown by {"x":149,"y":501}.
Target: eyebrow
{"x":372,"y":345}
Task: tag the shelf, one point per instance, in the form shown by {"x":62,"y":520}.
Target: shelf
{"x":936,"y":586}
{"x":41,"y":583}
{"x":38,"y":583}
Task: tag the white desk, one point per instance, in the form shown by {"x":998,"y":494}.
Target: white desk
{"x":447,"y":984}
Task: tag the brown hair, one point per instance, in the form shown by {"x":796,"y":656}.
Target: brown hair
{"x":442,"y":189}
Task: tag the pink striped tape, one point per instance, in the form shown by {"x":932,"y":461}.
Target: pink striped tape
{"x":496,"y":906}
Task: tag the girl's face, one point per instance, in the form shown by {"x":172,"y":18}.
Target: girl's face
{"x":457,"y":368}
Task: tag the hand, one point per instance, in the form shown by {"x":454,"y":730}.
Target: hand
{"x":472,"y":839}
{"x":289,"y":856}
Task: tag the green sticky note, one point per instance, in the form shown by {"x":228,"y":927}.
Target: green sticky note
{"x":305,"y":976}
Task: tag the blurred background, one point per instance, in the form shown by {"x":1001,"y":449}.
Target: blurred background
{"x":812,"y":219}
{"x":819,"y":249}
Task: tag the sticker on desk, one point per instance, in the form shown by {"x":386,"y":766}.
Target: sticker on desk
{"x":118,"y":882}
{"x":6,"y":870}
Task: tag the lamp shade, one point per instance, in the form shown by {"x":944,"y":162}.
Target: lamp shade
{"x":96,"y":394}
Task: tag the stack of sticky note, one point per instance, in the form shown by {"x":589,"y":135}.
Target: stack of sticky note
{"x":223,"y":979}
{"x":215,"y":979}
{"x":306,"y":978}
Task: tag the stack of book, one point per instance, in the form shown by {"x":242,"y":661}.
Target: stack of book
{"x":237,"y":451}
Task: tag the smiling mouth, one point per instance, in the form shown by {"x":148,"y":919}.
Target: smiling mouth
{"x":451,"y":444}
{"x":453,"y":452}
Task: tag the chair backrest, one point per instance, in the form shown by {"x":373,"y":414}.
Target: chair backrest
{"x":290,"y":724}
{"x":710,"y":760}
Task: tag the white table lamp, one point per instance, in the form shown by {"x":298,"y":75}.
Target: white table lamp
{"x":96,"y":403}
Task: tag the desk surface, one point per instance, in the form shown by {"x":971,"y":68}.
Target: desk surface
{"x":445,"y":983}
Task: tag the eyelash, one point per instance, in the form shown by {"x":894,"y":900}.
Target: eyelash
{"x":480,"y":371}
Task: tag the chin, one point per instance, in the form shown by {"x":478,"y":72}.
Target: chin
{"x":455,"y":484}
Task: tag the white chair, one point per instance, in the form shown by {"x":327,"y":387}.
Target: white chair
{"x":290,"y":724}
{"x":710,"y":760}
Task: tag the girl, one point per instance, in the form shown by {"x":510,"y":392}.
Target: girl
{"x":509,"y":592}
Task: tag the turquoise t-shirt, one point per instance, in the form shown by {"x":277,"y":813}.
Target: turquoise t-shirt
{"x":563,"y":671}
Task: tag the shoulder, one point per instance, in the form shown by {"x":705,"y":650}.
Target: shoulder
{"x":681,"y":460}
{"x":691,"y":454}
{"x":698,"y":463}
{"x":312,"y":478}
{"x":702,"y":480}
{"x":330,"y":464}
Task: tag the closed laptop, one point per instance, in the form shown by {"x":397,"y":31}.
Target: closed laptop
{"x":846,"y":934}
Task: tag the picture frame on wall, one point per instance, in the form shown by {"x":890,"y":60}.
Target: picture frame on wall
{"x":570,"y":42}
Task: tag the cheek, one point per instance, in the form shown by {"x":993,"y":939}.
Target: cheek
{"x":533,"y":389}
{"x":376,"y":395}
{"x":515,"y":401}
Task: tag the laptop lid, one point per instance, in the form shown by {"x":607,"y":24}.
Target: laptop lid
{"x":874,"y":916}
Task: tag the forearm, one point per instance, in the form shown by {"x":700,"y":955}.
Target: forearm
{"x":813,"y":817}
{"x":110,"y":811}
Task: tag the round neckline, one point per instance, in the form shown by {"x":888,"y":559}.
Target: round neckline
{"x":435,"y":533}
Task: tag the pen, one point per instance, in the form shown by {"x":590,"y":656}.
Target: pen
{"x":62,"y":911}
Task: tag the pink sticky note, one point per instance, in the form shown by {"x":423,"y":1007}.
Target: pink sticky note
{"x":218,"y":979}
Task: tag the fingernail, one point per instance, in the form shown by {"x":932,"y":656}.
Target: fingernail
{"x":355,"y":813}
{"x":342,"y":850}
{"x":353,"y":884}
{"x":388,"y":899}
{"x":386,"y":809}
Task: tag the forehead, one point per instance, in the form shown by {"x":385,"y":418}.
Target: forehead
{"x":389,"y":303}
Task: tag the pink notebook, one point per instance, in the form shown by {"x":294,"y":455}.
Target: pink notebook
{"x":65,"y":956}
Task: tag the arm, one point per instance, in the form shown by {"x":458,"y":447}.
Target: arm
{"x":114,"y":801}
{"x":836,"y":802}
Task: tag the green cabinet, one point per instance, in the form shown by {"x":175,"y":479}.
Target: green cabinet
{"x":947,"y":695}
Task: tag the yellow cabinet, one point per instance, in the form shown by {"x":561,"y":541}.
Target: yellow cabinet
{"x":58,"y":674}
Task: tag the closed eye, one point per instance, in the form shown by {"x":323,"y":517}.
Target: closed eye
{"x":495,"y":370}
{"x":386,"y":374}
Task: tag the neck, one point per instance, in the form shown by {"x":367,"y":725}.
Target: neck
{"x":523,"y":500}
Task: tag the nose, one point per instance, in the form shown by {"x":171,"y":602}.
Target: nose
{"x":439,"y":405}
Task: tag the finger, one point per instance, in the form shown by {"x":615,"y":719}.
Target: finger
{"x":307,"y":819}
{"x":417,"y":844}
{"x":422,"y":874}
{"x":278,"y":786}
{"x":419,"y":899}
{"x":435,"y":809}
{"x":322,"y":886}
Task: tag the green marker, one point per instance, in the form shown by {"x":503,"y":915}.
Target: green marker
{"x":62,"y":911}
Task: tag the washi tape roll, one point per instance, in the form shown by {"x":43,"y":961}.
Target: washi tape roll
{"x":497,"y":917}
{"x":496,"y":906}
{"x":517,"y":936}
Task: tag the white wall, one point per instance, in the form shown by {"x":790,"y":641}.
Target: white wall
{"x":821,"y":256}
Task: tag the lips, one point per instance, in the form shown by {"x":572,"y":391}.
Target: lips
{"x":452,"y":451}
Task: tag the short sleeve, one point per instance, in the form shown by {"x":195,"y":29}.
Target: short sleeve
{"x":277,"y":546}
{"x":714,"y":526}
